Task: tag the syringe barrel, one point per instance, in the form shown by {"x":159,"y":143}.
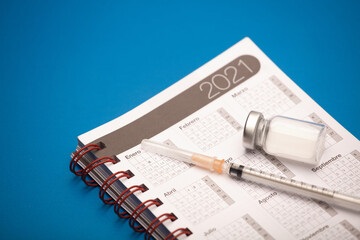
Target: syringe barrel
{"x":297,"y":187}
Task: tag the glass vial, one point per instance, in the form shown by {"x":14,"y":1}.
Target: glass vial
{"x":285,"y":137}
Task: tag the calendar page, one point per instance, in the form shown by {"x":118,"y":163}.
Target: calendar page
{"x":205,"y":113}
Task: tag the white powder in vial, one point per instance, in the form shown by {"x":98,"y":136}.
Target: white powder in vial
{"x":294,"y":139}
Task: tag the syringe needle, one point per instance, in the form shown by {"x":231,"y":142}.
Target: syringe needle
{"x":258,"y":176}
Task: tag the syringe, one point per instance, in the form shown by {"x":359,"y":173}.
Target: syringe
{"x":258,"y":176}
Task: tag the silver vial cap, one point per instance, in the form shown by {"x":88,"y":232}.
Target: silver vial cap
{"x":251,"y":125}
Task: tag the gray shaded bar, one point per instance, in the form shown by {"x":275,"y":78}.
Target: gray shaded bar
{"x":326,"y":207}
{"x":229,"y":119}
{"x":260,"y":230}
{"x":354,"y":231}
{"x":179,"y":107}
{"x":279,"y":165}
{"x":329,"y":130}
{"x":218,"y":190}
{"x":356,"y":154}
{"x":285,"y":89}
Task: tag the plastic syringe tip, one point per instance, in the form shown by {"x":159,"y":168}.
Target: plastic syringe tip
{"x":204,"y":161}
{"x":167,"y":150}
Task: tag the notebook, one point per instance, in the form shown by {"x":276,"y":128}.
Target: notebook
{"x":205,"y":112}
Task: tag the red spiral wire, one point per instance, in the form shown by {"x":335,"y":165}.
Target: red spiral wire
{"x":178,"y":232}
{"x":123,"y":197}
{"x":106,"y":184}
{"x":92,"y":166}
{"x":77,"y":157}
{"x":141,"y":208}
{"x":150,"y":229}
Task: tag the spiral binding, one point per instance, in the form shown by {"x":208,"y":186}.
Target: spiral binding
{"x":178,"y":232}
{"x":106,"y":184}
{"x":92,"y":166}
{"x":77,"y":157}
{"x":122,"y":197}
{"x":150,"y":229}
{"x":84,"y":173}
{"x":141,"y":208}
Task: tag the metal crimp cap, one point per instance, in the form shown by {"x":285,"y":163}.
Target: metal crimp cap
{"x":251,"y":125}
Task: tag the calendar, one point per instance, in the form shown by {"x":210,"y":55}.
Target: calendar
{"x":341,"y":172}
{"x":211,"y":130}
{"x":341,"y":230}
{"x":200,"y":200}
{"x":261,"y":160}
{"x":205,"y":112}
{"x":156,"y":168}
{"x":270,"y":97}
{"x":297,"y":214}
{"x":243,"y":228}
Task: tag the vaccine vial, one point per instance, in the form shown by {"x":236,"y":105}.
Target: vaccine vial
{"x":285,"y":137}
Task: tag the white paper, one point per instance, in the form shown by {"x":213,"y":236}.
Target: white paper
{"x":216,"y":206}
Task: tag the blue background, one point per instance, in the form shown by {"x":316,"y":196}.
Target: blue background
{"x":68,"y":66}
